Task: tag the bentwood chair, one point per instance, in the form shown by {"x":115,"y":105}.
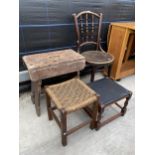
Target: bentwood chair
{"x":88,"y":29}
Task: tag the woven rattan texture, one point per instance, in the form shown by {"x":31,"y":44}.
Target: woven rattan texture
{"x":97,"y":57}
{"x":71,"y":95}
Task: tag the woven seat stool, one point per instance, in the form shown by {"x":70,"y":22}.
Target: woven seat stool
{"x":110,"y":93}
{"x":68,"y":97}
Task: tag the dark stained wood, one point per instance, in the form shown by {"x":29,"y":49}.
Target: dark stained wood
{"x":63,"y":113}
{"x":94,"y":114}
{"x":118,"y":105}
{"x":99,"y":123}
{"x":91,"y":35}
{"x":63,"y":121}
{"x":56,"y":118}
{"x":70,"y":131}
{"x":63,"y":127}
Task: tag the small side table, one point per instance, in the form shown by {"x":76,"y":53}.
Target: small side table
{"x":51,"y":64}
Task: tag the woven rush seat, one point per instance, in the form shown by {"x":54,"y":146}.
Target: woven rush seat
{"x":71,"y":95}
{"x":98,"y":57}
{"x":67,"y":97}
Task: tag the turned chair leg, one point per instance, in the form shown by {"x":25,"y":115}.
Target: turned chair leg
{"x":48,"y":102}
{"x":63,"y":128}
{"x":109,"y":70}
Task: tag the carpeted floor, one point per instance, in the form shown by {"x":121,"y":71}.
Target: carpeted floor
{"x":38,"y":136}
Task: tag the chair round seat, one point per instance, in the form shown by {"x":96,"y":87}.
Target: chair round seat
{"x":98,"y":57}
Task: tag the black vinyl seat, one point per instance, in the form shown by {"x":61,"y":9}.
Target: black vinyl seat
{"x":109,"y":90}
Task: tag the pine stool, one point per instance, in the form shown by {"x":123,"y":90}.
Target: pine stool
{"x":68,"y":97}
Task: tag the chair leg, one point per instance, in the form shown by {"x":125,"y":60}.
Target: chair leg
{"x":109,"y":70}
{"x":48,"y":102}
{"x":93,"y":70}
{"x":78,"y":74}
{"x":124,"y":109}
{"x":63,"y":128}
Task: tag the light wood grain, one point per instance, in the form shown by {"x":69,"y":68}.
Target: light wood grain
{"x":119,"y":46}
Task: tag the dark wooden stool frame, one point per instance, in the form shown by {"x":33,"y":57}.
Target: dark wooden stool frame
{"x":62,"y":123}
{"x":88,"y":29}
{"x":101,"y":109}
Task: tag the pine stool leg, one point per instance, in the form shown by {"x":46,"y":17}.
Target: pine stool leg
{"x":124,"y":109}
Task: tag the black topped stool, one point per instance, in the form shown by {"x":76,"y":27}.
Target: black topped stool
{"x":110,"y":93}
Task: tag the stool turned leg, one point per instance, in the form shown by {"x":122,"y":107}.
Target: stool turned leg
{"x":63,"y":128}
{"x":100,"y":111}
{"x":124,"y":109}
{"x":93,"y":70}
{"x":48,"y":102}
{"x":94,"y":116}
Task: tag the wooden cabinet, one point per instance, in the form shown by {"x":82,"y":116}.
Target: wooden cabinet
{"x":121,"y":44}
